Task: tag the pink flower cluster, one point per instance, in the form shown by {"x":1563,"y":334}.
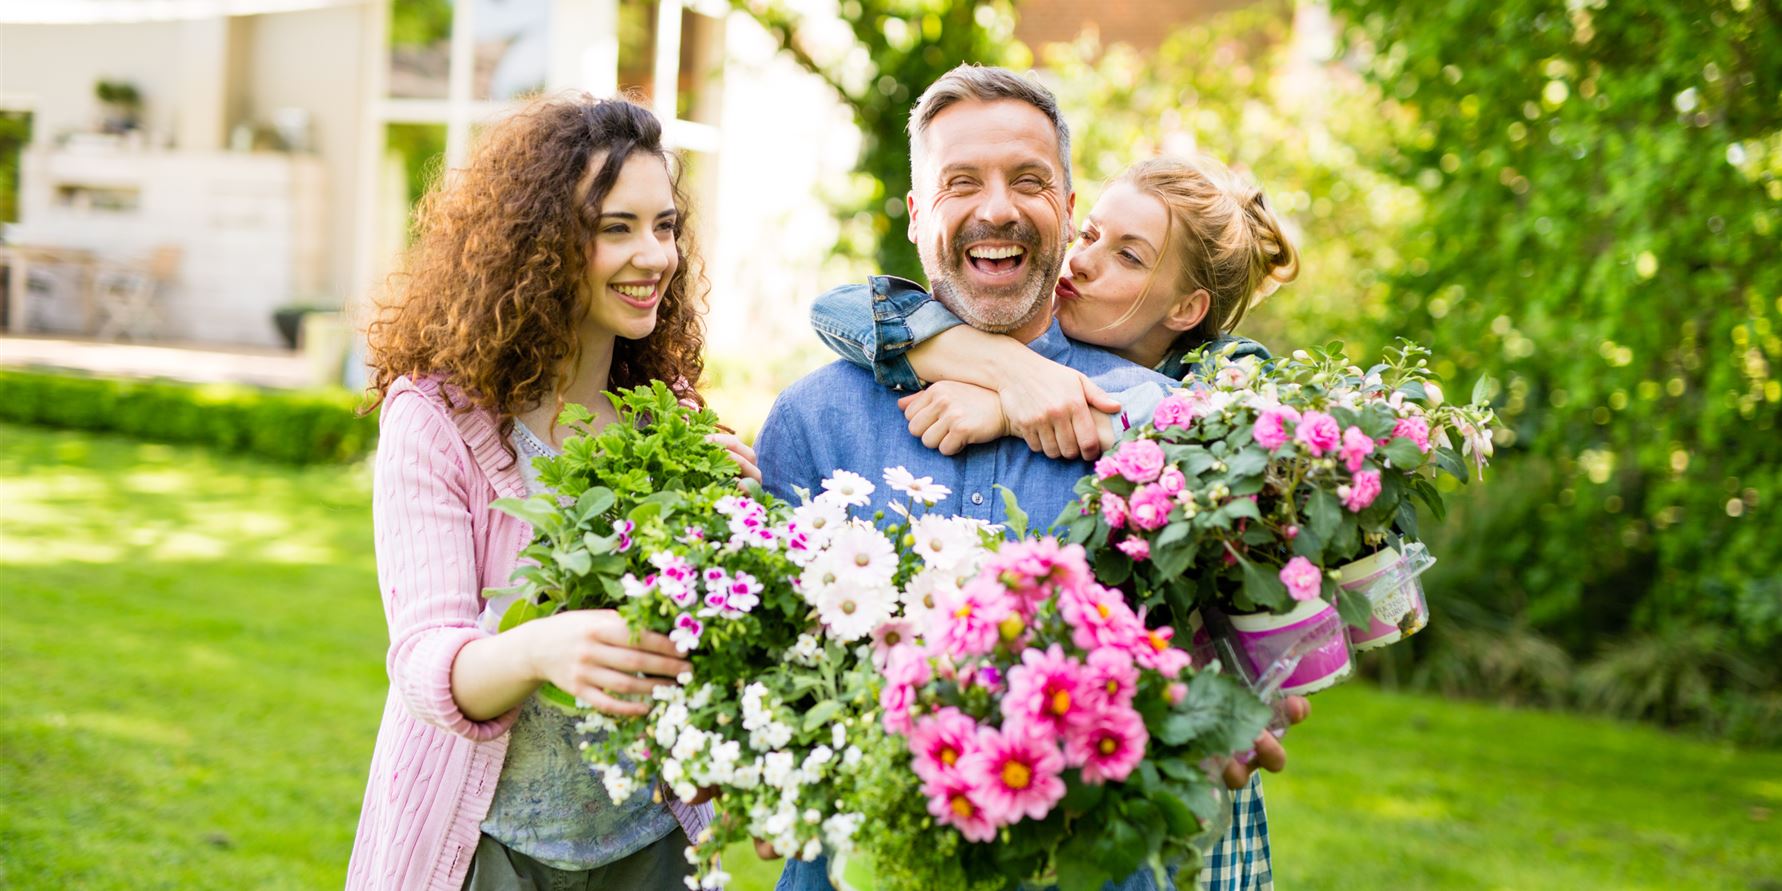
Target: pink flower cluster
{"x":1058,"y":705}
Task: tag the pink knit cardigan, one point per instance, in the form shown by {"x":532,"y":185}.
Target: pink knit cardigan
{"x":439,"y":544}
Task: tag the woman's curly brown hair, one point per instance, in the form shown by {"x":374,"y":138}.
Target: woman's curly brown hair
{"x":493,"y":290}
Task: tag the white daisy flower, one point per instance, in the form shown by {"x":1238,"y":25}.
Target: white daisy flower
{"x":848,"y":488}
{"x":819,"y":520}
{"x":860,"y":553}
{"x":944,"y":542}
{"x":852,"y":611}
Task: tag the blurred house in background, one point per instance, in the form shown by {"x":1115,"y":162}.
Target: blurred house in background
{"x":229,"y":159}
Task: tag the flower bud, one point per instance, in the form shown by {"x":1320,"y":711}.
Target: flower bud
{"x":1011,"y":627}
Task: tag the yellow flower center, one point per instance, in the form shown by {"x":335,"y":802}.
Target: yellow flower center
{"x":1061,"y":702}
{"x":963,"y":612}
{"x":1113,"y":687}
{"x":1016,"y":775}
{"x":949,"y":755}
{"x":1103,"y":609}
{"x":962,"y":806}
{"x":1107,"y":746}
{"x":861,"y":560}
{"x":1157,"y":642}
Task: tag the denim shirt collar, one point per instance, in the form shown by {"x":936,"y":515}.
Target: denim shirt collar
{"x":1052,"y":344}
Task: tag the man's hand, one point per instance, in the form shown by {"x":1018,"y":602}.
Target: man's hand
{"x":1269,"y":754}
{"x":949,"y":416}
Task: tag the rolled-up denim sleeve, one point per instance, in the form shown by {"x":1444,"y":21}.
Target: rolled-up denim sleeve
{"x":1138,"y":404}
{"x":875,"y":326}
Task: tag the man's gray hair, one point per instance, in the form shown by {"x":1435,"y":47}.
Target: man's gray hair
{"x":984,"y":84}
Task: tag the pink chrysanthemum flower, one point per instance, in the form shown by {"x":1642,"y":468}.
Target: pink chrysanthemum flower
{"x":1014,"y":775}
{"x":1110,"y":747}
{"x":955,"y":802}
{"x":1046,"y":694}
{"x":1319,"y":433}
{"x":1356,"y":447}
{"x":1270,"y":430}
{"x":1110,"y":679}
{"x":1099,"y":617}
{"x":971,"y":618}
{"x":1302,"y":578}
{"x":1150,"y":508}
{"x":938,"y":741}
{"x":906,"y":671}
{"x":1139,"y":460}
{"x":1361,"y":493}
{"x":1155,"y":650}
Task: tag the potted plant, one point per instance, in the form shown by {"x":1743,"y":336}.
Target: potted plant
{"x":121,"y":104}
{"x":1283,"y":496}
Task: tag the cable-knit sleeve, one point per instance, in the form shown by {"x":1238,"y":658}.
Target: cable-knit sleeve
{"x":426,"y":560}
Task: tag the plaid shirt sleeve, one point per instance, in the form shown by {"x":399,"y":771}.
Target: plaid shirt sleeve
{"x":1240,"y":861}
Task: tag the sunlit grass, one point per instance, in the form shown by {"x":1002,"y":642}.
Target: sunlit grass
{"x":193,"y":675}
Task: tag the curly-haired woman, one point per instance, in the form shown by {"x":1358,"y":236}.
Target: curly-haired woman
{"x":557,"y":264}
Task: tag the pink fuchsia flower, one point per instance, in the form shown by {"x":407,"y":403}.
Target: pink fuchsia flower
{"x":1415,"y":429}
{"x":1110,"y":679}
{"x":1014,"y":775}
{"x":1136,"y":548}
{"x":1171,"y":481}
{"x":1155,"y":650}
{"x":1046,"y":694}
{"x":1149,"y":508}
{"x":1106,"y":468}
{"x":1270,"y":430}
{"x":686,"y":632}
{"x":1361,"y":493}
{"x":1356,"y":447}
{"x":1110,"y":747}
{"x":1173,"y":411}
{"x":1302,"y":578}
{"x":1113,"y":510}
{"x":1099,"y":617}
{"x":1139,"y":460}
{"x":1319,"y":433}
{"x":938,"y":741}
{"x":971,"y":618}
{"x":953,"y":801}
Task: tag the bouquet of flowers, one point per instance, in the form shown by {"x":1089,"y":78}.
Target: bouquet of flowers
{"x":1044,"y":732}
{"x":773,"y":606}
{"x":1283,"y":495}
{"x":647,"y":518}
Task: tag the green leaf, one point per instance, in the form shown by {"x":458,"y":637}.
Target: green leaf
{"x":1011,"y":508}
{"x":820,"y":714}
{"x":519,"y":613}
{"x":1353,"y":606}
{"x":1112,"y":567}
{"x":1249,"y":462}
{"x":558,"y":698}
{"x":576,"y":562}
{"x":1263,"y":586}
{"x":1403,"y":453}
{"x":594,"y":502}
{"x":1325,"y":513}
{"x":1242,"y":508}
{"x":539,"y":511}
{"x":1080,"y":796}
{"x":1077,"y":873}
{"x":1482,"y":389}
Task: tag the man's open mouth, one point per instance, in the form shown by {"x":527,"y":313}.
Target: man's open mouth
{"x":996,"y":261}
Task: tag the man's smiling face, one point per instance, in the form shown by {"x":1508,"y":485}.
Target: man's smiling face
{"x":990,"y":214}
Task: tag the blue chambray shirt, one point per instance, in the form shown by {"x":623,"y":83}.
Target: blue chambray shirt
{"x":839,"y":418}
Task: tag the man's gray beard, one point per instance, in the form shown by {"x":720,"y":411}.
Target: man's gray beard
{"x":948,"y":292}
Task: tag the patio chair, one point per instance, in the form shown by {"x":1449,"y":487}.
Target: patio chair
{"x":130,"y":294}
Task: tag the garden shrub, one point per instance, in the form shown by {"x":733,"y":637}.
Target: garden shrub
{"x":298,"y":427}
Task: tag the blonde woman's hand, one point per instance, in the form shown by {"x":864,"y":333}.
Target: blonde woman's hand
{"x":948,"y":416}
{"x":1053,"y":408}
{"x":740,"y":453}
{"x":589,"y":653}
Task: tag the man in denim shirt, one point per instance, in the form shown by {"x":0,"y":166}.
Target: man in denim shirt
{"x":990,"y":213}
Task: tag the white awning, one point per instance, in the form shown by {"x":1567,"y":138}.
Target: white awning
{"x":86,"y":12}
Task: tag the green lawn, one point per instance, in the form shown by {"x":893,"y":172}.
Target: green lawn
{"x":191,"y":673}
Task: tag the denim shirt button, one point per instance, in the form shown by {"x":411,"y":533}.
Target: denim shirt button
{"x":977,"y":498}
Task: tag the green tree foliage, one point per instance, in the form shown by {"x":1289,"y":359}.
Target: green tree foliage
{"x":898,"y":48}
{"x":1604,"y":192}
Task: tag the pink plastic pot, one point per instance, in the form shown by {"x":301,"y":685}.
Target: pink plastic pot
{"x":1389,"y":581}
{"x":1307,"y":644}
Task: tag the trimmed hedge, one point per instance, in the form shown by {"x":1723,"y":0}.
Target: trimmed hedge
{"x":295,"y":426}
